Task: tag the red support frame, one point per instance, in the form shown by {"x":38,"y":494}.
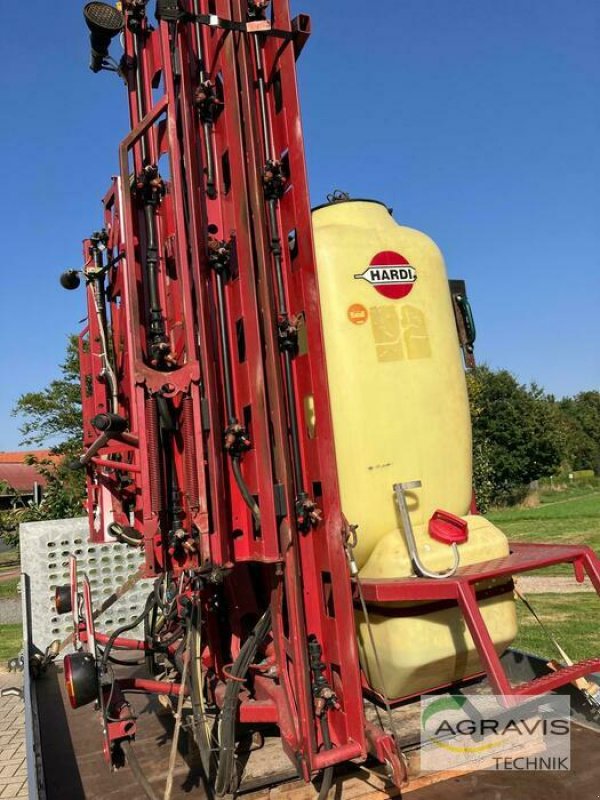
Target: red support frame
{"x":462,"y":590}
{"x":303,"y":575}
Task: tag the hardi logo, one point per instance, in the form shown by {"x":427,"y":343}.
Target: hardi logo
{"x":390,"y":274}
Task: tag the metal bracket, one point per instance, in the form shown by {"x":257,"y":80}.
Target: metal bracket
{"x":418,"y":566}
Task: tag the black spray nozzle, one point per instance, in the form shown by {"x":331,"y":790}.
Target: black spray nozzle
{"x":70,"y":279}
{"x":105,"y":22}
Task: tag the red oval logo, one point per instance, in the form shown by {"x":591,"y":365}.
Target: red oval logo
{"x":390,"y":274}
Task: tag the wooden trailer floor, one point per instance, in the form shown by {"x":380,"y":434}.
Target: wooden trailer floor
{"x":75,"y":769}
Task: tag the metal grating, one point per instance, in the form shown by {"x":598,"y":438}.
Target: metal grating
{"x":45,"y":551}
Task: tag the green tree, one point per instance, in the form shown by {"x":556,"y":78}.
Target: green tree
{"x":52,"y":416}
{"x":517,"y":435}
{"x":581,"y":418}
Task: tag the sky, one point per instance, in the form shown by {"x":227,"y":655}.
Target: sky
{"x":477,"y":121}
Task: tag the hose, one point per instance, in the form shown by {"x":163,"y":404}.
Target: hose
{"x":227,"y":726}
{"x":137,"y":770}
{"x":122,"y":662}
{"x":327,"y":781}
{"x":100,"y":309}
{"x":124,"y":628}
{"x":178,"y":716}
{"x":244,"y":490}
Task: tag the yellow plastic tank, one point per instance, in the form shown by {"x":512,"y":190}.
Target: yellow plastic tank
{"x":401,"y":413}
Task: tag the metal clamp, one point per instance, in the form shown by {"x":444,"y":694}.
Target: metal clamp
{"x":418,"y":566}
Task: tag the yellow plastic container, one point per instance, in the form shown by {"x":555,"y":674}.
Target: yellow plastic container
{"x":401,"y":413}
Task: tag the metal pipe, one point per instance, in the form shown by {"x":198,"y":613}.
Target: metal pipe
{"x":99,"y":297}
{"x":119,"y":643}
{"x":121,"y":466}
{"x":139,"y":94}
{"x":262,"y":93}
{"x":92,"y":450}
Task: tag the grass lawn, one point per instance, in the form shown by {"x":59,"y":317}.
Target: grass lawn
{"x":9,"y":588}
{"x":11,"y":642}
{"x":569,"y":517}
{"x":572,"y":618}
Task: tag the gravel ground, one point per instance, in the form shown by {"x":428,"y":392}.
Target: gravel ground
{"x":10,"y":612}
{"x":528,"y":584}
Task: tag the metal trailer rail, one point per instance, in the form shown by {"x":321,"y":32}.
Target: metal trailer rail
{"x":33,"y":747}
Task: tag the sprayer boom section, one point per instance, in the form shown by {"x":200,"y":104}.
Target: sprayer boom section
{"x":202,"y":358}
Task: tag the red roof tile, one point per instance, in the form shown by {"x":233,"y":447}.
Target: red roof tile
{"x":20,"y":477}
{"x":19,"y":456}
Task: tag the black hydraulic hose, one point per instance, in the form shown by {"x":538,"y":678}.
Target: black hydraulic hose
{"x":244,"y":490}
{"x":123,"y":662}
{"x":226,"y":350}
{"x":276,"y":247}
{"x":137,"y":770}
{"x":327,"y":781}
{"x":152,"y":261}
{"x":124,"y":628}
{"x":293,"y":422}
{"x":199,"y":47}
{"x":227,"y":725}
{"x":289,"y":375}
{"x":211,"y":189}
{"x":229,"y":399}
{"x":149,"y":628}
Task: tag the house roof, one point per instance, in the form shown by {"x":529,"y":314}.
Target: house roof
{"x":20,"y":476}
{"x":19,"y":456}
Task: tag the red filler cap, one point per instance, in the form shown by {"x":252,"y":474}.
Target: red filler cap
{"x":448,"y":528}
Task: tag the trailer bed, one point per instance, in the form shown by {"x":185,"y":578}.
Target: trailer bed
{"x":74,"y":768}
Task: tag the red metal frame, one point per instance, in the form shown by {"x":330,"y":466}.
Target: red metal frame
{"x":462,"y":590}
{"x":127,"y":473}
